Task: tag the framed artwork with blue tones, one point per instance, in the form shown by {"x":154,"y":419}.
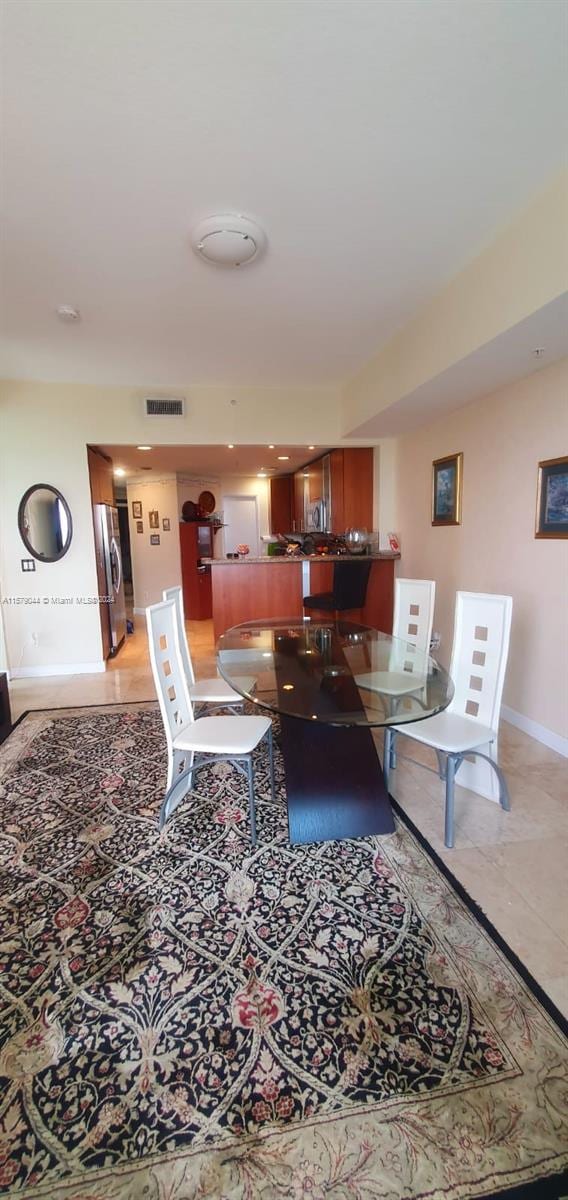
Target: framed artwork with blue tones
{"x":447,"y":490}
{"x":552,"y":499}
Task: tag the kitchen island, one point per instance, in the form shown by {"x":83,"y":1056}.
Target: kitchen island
{"x":248,"y":589}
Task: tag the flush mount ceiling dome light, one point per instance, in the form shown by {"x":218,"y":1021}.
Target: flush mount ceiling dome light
{"x":228,"y":241}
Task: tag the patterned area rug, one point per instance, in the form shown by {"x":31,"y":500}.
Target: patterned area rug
{"x":183,"y":1017}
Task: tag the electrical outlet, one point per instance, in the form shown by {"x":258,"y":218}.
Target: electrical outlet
{"x":28,"y":564}
{"x":435,"y":641}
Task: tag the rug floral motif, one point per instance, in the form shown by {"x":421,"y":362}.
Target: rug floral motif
{"x":183,"y":1017}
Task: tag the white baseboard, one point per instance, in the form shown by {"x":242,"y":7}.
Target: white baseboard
{"x":540,"y":733}
{"x":92,"y":668}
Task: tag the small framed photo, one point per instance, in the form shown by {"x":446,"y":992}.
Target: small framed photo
{"x":154,"y":539}
{"x":447,"y":490}
{"x":136,"y":509}
{"x":166,"y":524}
{"x":552,"y":499}
{"x":154,"y":518}
{"x":140,"y":527}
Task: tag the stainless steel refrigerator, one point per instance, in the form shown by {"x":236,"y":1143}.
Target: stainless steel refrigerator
{"x":110,"y":546}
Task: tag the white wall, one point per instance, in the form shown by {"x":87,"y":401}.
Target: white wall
{"x":502,"y":437}
{"x":154,"y":567}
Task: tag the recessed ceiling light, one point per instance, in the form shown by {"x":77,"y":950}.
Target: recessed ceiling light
{"x":143,"y":447}
{"x":288,"y":687}
{"x":119,"y":471}
{"x":66,"y":312}
{"x":311,"y":447}
{"x":283,"y":458}
{"x":230,"y":446}
{"x":261,"y":475}
{"x":271,"y":447}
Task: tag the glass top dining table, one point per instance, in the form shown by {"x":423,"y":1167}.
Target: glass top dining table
{"x":330,"y":683}
{"x":337,"y":673}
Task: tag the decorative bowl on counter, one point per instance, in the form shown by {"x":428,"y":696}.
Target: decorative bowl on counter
{"x":243,"y":549}
{"x":357,"y":540}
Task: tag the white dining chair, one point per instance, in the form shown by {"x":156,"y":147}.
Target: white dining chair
{"x":214,"y":692}
{"x":219,"y":738}
{"x":469,"y":726}
{"x":412,"y":628}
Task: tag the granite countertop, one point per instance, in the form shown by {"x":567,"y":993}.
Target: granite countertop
{"x":286,"y":558}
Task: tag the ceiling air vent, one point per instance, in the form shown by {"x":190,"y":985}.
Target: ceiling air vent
{"x":164,"y":406}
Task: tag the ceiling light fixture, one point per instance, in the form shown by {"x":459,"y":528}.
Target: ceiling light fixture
{"x":67,"y":312}
{"x":311,"y":447}
{"x":119,"y":471}
{"x":143,"y":447}
{"x":261,"y":475}
{"x":231,"y":446}
{"x":271,"y":447}
{"x":229,"y":240}
{"x":283,"y":458}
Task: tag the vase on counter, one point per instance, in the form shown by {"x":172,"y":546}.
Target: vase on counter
{"x":243,"y":550}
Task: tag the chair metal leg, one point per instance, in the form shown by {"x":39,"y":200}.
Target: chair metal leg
{"x":449,"y":822}
{"x":392,"y":761}
{"x":252,"y":813}
{"x":387,"y":755}
{"x":504,"y":797}
{"x":271,"y":762}
{"x":441,"y":764}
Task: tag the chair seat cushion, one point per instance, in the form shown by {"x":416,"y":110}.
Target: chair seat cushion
{"x":324,"y":600}
{"x":223,"y":735}
{"x":390,"y":683}
{"x":218,"y":691}
{"x":449,"y":731}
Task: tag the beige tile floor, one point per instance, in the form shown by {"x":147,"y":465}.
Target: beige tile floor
{"x":513,"y":864}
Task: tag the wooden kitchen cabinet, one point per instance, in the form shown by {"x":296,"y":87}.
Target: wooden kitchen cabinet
{"x":351,"y":489}
{"x":100,"y":477}
{"x":195,"y":543}
{"x":299,"y":507}
{"x":281,"y":504}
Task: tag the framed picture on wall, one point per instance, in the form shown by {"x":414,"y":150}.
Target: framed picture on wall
{"x":136,"y":509}
{"x":447,"y":490}
{"x":154,"y":539}
{"x":140,"y":527}
{"x":166,"y":524}
{"x":154,"y":519}
{"x":552,"y":499}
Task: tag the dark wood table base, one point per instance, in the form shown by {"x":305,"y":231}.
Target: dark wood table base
{"x":334,"y":782}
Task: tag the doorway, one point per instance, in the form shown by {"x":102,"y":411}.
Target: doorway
{"x":240,"y":515}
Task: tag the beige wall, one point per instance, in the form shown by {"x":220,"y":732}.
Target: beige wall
{"x":154,"y":567}
{"x":502,"y":437}
{"x":44,"y":430}
{"x":523,"y":269}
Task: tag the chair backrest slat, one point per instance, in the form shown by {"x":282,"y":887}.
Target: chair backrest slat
{"x":479,"y":655}
{"x":176,"y":594}
{"x":167,"y":668}
{"x":414,"y":611}
{"x":350,"y":583}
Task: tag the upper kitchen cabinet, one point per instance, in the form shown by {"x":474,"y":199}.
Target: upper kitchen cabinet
{"x":299,"y":504}
{"x":351,"y":489}
{"x":100,"y":477}
{"x":281,"y":504}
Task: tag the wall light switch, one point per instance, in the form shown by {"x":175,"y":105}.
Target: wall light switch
{"x":28,"y":564}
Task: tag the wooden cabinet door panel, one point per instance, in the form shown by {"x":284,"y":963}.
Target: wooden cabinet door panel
{"x":281,"y":498}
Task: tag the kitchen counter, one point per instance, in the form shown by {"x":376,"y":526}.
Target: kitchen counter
{"x":250,"y":592}
{"x":303,"y":558}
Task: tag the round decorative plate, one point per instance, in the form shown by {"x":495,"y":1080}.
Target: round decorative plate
{"x":207,"y":501}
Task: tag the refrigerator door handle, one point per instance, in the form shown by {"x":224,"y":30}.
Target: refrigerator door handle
{"x":115,"y":565}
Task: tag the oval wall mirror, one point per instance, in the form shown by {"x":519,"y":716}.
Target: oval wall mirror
{"x":44,"y":522}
